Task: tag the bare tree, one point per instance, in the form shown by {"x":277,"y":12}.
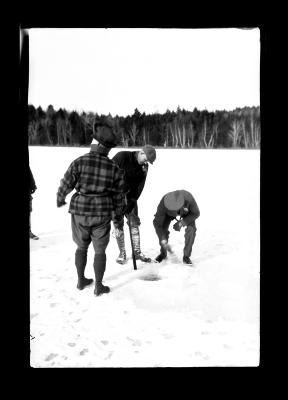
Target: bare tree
{"x":61,"y":131}
{"x":215,"y":131}
{"x":124,"y":139}
{"x":33,"y":129}
{"x":191,"y":135}
{"x":234,"y":132}
{"x":144,"y":136}
{"x":174,"y":135}
{"x":133,"y":133}
{"x":203,"y":138}
{"x":68,"y":130}
{"x":254,"y":132}
{"x":89,"y":120}
{"x":180,"y":137}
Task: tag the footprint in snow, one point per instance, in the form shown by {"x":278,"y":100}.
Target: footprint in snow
{"x":134,"y":342}
{"x":82,"y":352}
{"x":109,"y":355}
{"x":51,"y":356}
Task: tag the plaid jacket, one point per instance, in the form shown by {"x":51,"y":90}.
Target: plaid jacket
{"x":98,"y":182}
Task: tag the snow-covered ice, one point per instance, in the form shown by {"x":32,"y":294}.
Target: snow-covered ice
{"x":201,"y":315}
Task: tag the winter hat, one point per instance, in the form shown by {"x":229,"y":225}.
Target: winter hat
{"x":150,"y":153}
{"x":173,"y":201}
{"x":104,"y":133}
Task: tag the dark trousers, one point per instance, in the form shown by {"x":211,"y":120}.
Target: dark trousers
{"x":134,"y":219}
{"x":162,"y":231}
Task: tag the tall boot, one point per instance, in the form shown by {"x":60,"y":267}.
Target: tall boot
{"x":121,"y":259}
{"x":99,"y":269}
{"x":136,"y":245}
{"x":80,"y":262}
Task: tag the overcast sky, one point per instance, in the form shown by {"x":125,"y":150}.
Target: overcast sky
{"x":117,"y":70}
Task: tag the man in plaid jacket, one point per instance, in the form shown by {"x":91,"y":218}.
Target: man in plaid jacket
{"x":99,"y":196}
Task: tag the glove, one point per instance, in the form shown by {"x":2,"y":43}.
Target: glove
{"x":61,"y":203}
{"x":177,"y":226}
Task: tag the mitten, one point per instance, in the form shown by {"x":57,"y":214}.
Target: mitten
{"x":177,"y":226}
{"x":61,"y":203}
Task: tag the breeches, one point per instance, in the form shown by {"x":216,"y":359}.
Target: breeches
{"x":91,"y":228}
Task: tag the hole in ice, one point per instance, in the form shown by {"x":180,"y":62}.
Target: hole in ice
{"x":150,"y":277}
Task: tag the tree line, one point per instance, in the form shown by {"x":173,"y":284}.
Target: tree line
{"x":240,"y":128}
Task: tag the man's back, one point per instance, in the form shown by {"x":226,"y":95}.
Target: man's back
{"x":98,"y":183}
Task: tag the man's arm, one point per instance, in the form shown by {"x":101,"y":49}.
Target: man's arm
{"x":140,"y":187}
{"x":193,"y":213}
{"x":67,"y":184}
{"x":159,"y":220}
{"x":32,"y":183}
{"x":118,"y":196}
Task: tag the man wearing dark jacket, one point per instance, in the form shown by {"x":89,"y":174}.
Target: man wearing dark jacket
{"x":99,"y":195}
{"x":32,"y":189}
{"x":135,"y":167}
{"x":181,"y":204}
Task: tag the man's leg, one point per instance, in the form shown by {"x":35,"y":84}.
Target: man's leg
{"x":162,"y":231}
{"x":81,"y":237}
{"x":100,"y":234}
{"x":120,"y":238}
{"x":135,"y":233}
{"x":190,"y":234}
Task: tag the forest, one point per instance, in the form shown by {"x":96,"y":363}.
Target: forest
{"x":240,"y":128}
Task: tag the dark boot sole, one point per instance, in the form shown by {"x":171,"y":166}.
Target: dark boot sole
{"x":100,"y":294}
{"x":81,"y":287}
{"x":148,"y":260}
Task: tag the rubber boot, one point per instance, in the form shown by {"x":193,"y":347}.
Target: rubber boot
{"x":136,"y":245}
{"x":187,"y":260}
{"x":121,"y":259}
{"x":80,"y":262}
{"x":162,"y":255}
{"x":99,"y":269}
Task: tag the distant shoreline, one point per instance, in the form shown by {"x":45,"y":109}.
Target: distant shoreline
{"x":139,"y":147}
